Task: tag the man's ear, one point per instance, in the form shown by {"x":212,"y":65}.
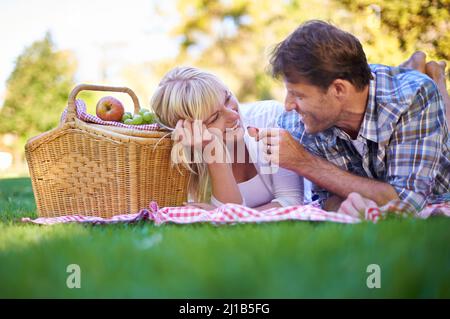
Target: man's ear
{"x":340,"y":88}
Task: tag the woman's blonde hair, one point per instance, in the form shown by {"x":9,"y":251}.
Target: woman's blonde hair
{"x":191,"y":94}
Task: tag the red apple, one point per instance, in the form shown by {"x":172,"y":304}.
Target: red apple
{"x":110,"y":109}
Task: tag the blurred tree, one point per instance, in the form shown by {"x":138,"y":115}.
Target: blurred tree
{"x":418,"y":24}
{"x":233,"y":38}
{"x":37,"y":90}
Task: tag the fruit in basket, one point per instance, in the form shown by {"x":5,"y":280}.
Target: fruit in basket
{"x":110,"y":109}
{"x":126,"y":115}
{"x":148,"y":118}
{"x":128,"y":121}
{"x":137,"y":119}
{"x":142,"y":111}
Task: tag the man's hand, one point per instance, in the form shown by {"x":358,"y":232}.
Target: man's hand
{"x":280,"y":148}
{"x":356,"y":205}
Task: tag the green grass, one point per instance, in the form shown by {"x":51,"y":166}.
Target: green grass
{"x":277,"y":260}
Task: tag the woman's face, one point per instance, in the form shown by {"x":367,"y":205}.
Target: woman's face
{"x":225,"y":119}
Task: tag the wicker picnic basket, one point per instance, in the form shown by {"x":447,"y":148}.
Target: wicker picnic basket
{"x":97,"y":170}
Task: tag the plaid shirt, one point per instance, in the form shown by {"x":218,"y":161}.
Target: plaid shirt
{"x":404,"y":139}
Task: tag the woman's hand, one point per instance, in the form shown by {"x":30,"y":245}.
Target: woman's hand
{"x":204,"y":206}
{"x":192,"y":134}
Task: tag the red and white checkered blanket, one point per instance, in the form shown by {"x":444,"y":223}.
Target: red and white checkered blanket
{"x":89,"y":118}
{"x":231,"y":214}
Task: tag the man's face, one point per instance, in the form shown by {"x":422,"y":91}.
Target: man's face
{"x":319,"y":110}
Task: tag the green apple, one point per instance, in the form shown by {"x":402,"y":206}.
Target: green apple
{"x":126,"y":115}
{"x":137,"y":119}
{"x":148,"y":117}
{"x":128,"y":121}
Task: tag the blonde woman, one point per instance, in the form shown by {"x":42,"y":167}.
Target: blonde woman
{"x":212,"y":141}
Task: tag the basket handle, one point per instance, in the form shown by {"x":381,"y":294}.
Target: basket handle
{"x":71,"y":109}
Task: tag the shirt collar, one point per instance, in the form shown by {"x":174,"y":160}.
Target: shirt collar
{"x":369,"y":125}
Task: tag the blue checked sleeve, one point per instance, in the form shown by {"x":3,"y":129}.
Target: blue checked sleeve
{"x":413,"y":154}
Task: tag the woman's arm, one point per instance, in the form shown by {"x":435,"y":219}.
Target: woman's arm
{"x":223,"y":184}
{"x":288,"y":188}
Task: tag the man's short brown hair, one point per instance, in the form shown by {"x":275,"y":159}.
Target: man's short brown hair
{"x":320,"y":53}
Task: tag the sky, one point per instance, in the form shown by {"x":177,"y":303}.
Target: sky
{"x":122,"y":32}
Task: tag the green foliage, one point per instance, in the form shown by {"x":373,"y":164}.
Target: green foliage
{"x":418,"y":25}
{"x":234,"y":38}
{"x":37,"y":90}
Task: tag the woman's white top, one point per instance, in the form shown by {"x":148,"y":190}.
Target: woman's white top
{"x":254,"y":192}
{"x":272,"y":183}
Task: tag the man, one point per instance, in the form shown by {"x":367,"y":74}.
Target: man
{"x":369,"y":135}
